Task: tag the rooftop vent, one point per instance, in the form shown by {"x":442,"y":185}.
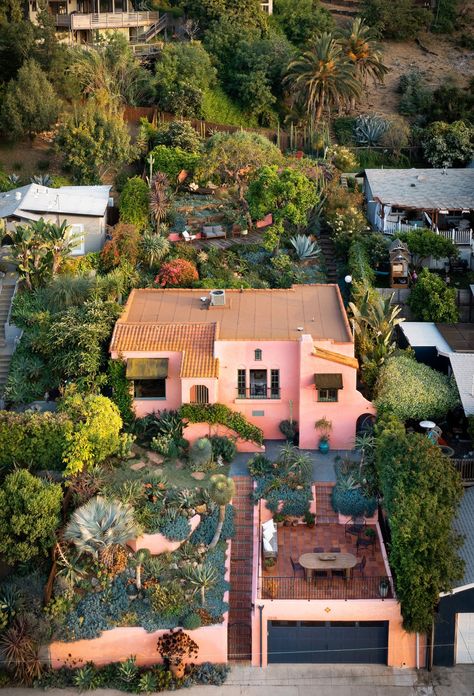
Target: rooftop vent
{"x":18,"y":195}
{"x":217,"y":298}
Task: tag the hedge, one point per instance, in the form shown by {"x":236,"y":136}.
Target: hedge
{"x":414,"y":390}
{"x":359,"y":264}
{"x":215,"y":414}
{"x":135,"y":203}
{"x":33,"y":440}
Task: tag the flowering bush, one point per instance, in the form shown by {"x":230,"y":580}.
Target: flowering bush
{"x":343,"y":158}
{"x":346,"y":226}
{"x":413,"y":390}
{"x":177,"y":273}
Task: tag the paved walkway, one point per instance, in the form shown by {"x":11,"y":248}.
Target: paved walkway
{"x":319,"y":680}
{"x":323,"y":464}
{"x":239,"y":637}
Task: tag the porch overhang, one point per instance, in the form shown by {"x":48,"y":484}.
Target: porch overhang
{"x":328,"y":380}
{"x":147,"y":368}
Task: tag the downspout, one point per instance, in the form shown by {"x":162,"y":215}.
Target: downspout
{"x":260,"y":611}
{"x":418,"y":651}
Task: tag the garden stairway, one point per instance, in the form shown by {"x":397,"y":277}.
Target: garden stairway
{"x":328,"y":254}
{"x":239,"y":635}
{"x":6,"y":350}
{"x":324,"y":510}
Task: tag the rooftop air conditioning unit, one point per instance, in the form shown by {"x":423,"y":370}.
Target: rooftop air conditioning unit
{"x":217,"y":298}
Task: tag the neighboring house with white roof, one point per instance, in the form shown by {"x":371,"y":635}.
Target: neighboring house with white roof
{"x":83,"y":207}
{"x":399,"y":200}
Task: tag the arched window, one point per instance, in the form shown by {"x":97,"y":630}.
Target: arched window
{"x":258,"y":354}
{"x":199,"y":394}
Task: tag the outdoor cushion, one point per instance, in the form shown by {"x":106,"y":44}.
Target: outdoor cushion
{"x":267,"y":547}
{"x":269,"y":526}
{"x":268,"y":534}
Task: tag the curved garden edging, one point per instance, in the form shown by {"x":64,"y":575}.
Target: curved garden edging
{"x":158,"y":543}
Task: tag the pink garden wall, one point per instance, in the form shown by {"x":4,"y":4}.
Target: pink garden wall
{"x":158,"y":543}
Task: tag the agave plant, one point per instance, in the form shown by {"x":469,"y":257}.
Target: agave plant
{"x":13,"y":179}
{"x":100,"y":524}
{"x":305,"y":248}
{"x":202,"y":578}
{"x":42,"y":179}
{"x":369,"y":129}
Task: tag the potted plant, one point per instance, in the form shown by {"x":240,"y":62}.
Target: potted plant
{"x":174,"y":647}
{"x":310,"y":519}
{"x":279,"y":519}
{"x":384,"y":587}
{"x":324,"y":426}
{"x":369,"y":533}
{"x":269,"y":564}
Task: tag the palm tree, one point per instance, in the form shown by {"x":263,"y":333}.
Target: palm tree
{"x":59,"y":242}
{"x":153,"y":248}
{"x":363,"y":51}
{"x":222,"y":491}
{"x":323,"y":76}
{"x":99,"y":525}
{"x":29,"y":249}
{"x":203,"y":577}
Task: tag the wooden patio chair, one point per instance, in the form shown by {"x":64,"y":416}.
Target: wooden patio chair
{"x":361,"y":566}
{"x":297,"y":567}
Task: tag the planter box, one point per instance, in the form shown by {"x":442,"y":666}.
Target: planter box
{"x":157,"y":543}
{"x":194,"y":431}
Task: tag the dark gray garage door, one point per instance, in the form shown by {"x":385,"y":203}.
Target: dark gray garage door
{"x":328,"y":641}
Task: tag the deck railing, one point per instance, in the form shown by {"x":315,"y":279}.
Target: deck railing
{"x":457,"y":236}
{"x":258,"y":393}
{"x":377,"y":587}
{"x":106,"y":20}
{"x":465,"y":468}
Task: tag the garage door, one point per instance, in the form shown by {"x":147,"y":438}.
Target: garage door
{"x":465,"y":639}
{"x":328,"y":641}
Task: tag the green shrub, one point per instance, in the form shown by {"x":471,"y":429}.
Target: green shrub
{"x":135,"y":203}
{"x":289,"y":429}
{"x":352,"y":502}
{"x":260,"y":465}
{"x":432,"y":300}
{"x":204,"y":532}
{"x":223,"y":446}
{"x":29,"y":516}
{"x":220,"y":414}
{"x":33,"y":440}
{"x":175,"y":527}
{"x":171,"y":160}
{"x":192,"y":621}
{"x":413,"y":390}
{"x":448,"y":144}
{"x":358,"y":264}
{"x":168,"y":599}
{"x":218,"y":107}
{"x":177,"y":134}
{"x":344,"y":129}
{"x":121,"y":393}
{"x":343,"y":158}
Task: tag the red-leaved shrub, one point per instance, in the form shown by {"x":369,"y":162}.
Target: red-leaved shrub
{"x":177,"y":273}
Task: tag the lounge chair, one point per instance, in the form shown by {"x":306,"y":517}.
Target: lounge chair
{"x":188,"y":237}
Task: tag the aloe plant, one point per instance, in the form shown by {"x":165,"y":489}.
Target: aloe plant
{"x":369,"y":129}
{"x":304,"y":248}
{"x":202,"y":577}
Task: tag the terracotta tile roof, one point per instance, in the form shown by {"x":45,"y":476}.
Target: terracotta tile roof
{"x":195,"y":341}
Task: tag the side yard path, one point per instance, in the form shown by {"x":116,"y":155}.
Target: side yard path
{"x":240,"y":597}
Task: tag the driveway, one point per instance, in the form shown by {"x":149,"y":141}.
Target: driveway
{"x":323,"y":464}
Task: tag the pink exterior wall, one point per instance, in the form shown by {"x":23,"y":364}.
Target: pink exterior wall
{"x":194,"y":431}
{"x":343,"y":413}
{"x":298,"y":395}
{"x":158,"y":543}
{"x":118,"y":644}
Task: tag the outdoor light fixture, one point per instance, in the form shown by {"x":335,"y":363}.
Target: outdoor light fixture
{"x":348,"y":279}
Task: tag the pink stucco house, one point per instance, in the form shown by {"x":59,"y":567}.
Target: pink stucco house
{"x":270,"y":354}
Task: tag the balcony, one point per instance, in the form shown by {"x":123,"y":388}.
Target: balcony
{"x":281,"y":583}
{"x":258,"y":391}
{"x":106,"y":20}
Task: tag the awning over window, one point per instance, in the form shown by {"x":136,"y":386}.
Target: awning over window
{"x":327,"y":380}
{"x":147,"y":368}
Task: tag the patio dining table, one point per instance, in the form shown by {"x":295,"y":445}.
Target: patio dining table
{"x":327,"y":561}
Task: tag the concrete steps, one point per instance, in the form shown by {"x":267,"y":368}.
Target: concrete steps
{"x":328,"y":253}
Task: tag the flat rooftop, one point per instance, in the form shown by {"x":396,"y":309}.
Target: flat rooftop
{"x":248,"y":314}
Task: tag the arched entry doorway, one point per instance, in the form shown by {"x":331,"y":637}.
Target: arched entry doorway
{"x":365,"y":423}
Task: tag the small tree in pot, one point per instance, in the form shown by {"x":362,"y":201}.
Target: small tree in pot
{"x":174,"y":647}
{"x":324,"y":426}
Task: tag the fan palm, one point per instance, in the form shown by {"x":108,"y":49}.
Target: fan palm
{"x":153,"y":248}
{"x":363,"y":51}
{"x":100,"y":524}
{"x":221,"y":491}
{"x":323,"y":76}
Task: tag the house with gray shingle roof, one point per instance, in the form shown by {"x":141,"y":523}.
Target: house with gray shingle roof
{"x":84,"y":208}
{"x":454,"y":622}
{"x":399,"y":200}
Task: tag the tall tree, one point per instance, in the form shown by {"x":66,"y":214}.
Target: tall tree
{"x":323,"y":76}
{"x":363,"y":51}
{"x":30,"y":104}
{"x":222,"y":491}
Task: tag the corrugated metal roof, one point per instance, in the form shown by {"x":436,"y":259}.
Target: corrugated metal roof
{"x":426,"y":189}
{"x":464,"y":524}
{"x":28,"y":201}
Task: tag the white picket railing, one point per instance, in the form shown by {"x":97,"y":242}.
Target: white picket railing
{"x":459,"y":237}
{"x":106,"y":20}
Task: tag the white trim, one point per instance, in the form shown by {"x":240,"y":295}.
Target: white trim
{"x":456,"y":590}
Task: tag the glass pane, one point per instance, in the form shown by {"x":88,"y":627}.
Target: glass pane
{"x":149,"y":388}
